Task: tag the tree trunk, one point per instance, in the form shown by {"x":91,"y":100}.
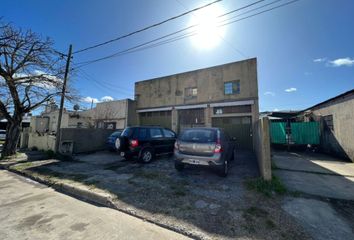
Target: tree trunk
{"x":12,"y":137}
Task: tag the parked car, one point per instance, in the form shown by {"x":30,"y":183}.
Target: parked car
{"x":111,"y":141}
{"x":145,"y":142}
{"x":210,"y":147}
{"x":2,"y":134}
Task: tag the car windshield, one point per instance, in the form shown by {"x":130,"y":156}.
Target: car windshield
{"x":127,"y":132}
{"x":116,"y":134}
{"x":199,"y":135}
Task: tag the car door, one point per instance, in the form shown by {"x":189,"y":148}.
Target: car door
{"x":157,"y":139}
{"x":170,"y":138}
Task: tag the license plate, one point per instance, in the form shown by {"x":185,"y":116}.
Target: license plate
{"x":122,"y":154}
{"x":193,"y":161}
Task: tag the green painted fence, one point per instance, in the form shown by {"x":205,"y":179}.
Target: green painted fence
{"x":277,"y":132}
{"x":301,"y":132}
{"x":305,"y":132}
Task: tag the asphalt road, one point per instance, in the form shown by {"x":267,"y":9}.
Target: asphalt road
{"x":29,"y":210}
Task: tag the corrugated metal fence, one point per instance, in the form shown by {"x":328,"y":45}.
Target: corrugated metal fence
{"x":300,"y":132}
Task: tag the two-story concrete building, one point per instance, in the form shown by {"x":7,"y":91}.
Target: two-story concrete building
{"x":222,"y":96}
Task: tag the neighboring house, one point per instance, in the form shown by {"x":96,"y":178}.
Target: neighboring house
{"x":223,"y":96}
{"x":334,"y":124}
{"x":47,"y":122}
{"x":116,"y":114}
{"x":337,"y":117}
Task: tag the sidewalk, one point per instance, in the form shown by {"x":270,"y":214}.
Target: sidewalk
{"x":54,"y":215}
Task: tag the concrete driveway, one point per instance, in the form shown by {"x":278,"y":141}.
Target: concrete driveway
{"x":326,"y":210}
{"x":315,"y":174}
{"x":29,"y":210}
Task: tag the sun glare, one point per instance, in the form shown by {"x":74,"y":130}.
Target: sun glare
{"x":209,"y":34}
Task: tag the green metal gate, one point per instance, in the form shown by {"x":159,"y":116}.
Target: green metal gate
{"x":305,"y":132}
{"x":238,"y":127}
{"x":300,"y":133}
{"x":277,"y":132}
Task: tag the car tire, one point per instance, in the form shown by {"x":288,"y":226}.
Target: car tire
{"x":179,"y":166}
{"x":146,"y":155}
{"x":223,"y":170}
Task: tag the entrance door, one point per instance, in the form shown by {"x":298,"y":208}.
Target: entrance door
{"x":238,"y":127}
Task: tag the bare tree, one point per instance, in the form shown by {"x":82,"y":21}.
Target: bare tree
{"x":30,"y":74}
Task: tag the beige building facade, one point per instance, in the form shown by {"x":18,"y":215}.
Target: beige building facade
{"x":222,"y":96}
{"x":336,"y":115}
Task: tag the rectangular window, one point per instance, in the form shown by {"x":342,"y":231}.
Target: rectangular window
{"x":191,"y":92}
{"x":232,"y":87}
{"x":232,"y":109}
{"x":328,"y":122}
{"x":155,"y":133}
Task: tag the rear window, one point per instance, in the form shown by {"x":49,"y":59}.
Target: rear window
{"x":127,"y":132}
{"x":116,"y":134}
{"x":198,"y":135}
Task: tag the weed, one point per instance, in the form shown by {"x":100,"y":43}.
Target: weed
{"x":268,"y":188}
{"x":270,"y":224}
{"x":274,"y":166}
{"x":148,"y":175}
{"x":257,"y":212}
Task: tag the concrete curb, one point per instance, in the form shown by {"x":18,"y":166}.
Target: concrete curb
{"x":95,"y":198}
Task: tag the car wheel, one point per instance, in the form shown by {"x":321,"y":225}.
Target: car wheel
{"x":224,"y":169}
{"x":179,"y":166}
{"x":146,"y":155}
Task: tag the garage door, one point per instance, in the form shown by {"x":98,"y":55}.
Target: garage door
{"x":188,"y":118}
{"x":238,"y":127}
{"x":160,"y":118}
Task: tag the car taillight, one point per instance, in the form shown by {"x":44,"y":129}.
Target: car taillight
{"x":218,"y":148}
{"x":134,"y":143}
{"x":176,"y":145}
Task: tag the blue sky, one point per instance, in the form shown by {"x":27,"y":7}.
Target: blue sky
{"x":305,"y":50}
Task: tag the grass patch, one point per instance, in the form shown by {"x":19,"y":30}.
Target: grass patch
{"x":22,"y":166}
{"x":268,"y":188}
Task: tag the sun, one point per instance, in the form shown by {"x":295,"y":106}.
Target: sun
{"x":208,"y":32}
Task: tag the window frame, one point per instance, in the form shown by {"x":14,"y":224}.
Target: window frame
{"x":191,"y":92}
{"x":235,"y":87}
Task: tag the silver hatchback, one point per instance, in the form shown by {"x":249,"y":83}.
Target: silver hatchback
{"x":210,"y":147}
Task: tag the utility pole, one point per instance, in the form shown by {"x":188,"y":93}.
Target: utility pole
{"x":57,"y":138}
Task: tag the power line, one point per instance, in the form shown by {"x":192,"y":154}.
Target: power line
{"x":163,"y":37}
{"x":107,"y":89}
{"x":223,"y":39}
{"x":146,"y":28}
{"x":141,"y":46}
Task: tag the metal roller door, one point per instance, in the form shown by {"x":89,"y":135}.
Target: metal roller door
{"x":238,"y":127}
{"x":160,"y":118}
{"x":188,"y":118}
